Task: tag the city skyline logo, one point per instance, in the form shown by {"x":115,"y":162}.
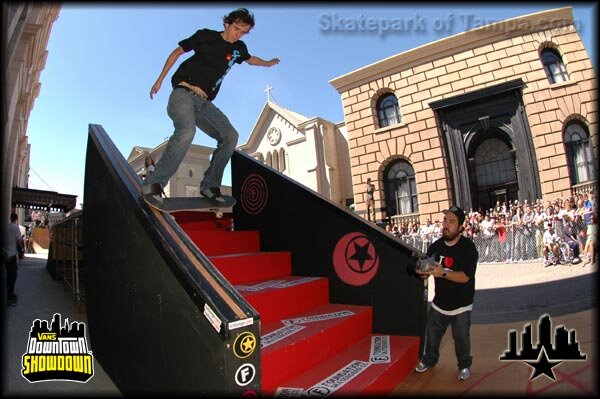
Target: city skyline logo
{"x":57,"y":353}
{"x":546,"y":354}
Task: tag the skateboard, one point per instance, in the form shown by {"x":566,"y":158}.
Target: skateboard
{"x":174,"y":204}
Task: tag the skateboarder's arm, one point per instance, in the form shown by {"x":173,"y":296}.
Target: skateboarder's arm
{"x":257,"y":61}
{"x":171,"y":59}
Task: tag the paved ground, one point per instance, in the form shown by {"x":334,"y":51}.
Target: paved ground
{"x":508,"y":296}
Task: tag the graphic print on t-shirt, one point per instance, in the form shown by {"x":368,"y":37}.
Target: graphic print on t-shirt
{"x":232,"y":58}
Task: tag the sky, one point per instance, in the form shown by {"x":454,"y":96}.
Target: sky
{"x":104,"y":58}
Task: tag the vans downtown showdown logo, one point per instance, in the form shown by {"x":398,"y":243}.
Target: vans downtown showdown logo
{"x":57,"y":352}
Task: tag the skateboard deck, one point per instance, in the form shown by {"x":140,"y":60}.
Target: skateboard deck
{"x":199,"y":204}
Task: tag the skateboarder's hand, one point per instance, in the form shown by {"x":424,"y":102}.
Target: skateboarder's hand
{"x":274,"y":61}
{"x":155,"y":88}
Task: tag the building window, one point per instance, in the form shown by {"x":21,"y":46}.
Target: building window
{"x":579,"y":153}
{"x":554,"y":66}
{"x":275,"y":160}
{"x":388,"y":110}
{"x":190,"y":173}
{"x":494,"y":164}
{"x":281,"y":160}
{"x":401,"y":189}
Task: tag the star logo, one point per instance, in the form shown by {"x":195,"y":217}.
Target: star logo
{"x":548,"y":352}
{"x":355,"y":259}
{"x":244,"y":345}
{"x":542,"y":366}
{"x":361,"y":256}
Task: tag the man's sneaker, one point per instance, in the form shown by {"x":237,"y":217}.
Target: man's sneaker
{"x":421,"y":368}
{"x":213,"y":193}
{"x":464,"y":374}
{"x":153,"y":193}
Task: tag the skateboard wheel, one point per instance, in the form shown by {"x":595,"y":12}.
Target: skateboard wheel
{"x":219,"y":214}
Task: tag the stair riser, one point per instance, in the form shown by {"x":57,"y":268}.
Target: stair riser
{"x":290,"y":360}
{"x":225,"y":242}
{"x":277,"y":304}
{"x":247,"y":268}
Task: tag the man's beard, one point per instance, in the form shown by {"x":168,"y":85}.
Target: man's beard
{"x":448,"y":236}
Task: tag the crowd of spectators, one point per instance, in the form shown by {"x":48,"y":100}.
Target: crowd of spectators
{"x":514,"y":231}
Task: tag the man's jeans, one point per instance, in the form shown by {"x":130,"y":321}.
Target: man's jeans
{"x":188,"y":111}
{"x":437,"y":324}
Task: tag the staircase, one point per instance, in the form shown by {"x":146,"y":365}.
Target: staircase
{"x":308,"y":345}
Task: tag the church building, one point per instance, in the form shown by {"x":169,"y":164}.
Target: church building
{"x":311,"y":151}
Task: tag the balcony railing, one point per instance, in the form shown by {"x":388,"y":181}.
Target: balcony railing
{"x":585,"y":187}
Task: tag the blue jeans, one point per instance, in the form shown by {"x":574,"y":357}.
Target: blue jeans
{"x":188,"y":111}
{"x":437,"y":324}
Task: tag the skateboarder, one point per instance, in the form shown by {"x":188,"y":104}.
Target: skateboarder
{"x":195,"y":84}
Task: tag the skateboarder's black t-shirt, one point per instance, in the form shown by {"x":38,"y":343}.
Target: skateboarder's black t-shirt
{"x":213,"y":58}
{"x":462,"y":256}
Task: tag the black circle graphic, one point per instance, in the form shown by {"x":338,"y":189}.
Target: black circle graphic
{"x":255,"y":194}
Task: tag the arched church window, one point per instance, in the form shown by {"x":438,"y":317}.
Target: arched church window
{"x":275,"y":160}
{"x":281,"y":160}
{"x":269,"y":159}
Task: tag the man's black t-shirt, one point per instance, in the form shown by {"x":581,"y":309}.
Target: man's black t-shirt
{"x":213,"y":58}
{"x":462,"y":256}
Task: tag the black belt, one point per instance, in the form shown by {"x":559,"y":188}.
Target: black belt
{"x":188,"y":89}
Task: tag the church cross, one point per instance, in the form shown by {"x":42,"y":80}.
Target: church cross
{"x":268,"y":91}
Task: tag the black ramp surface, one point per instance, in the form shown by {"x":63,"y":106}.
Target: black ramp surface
{"x":159,"y":313}
{"x":364,"y":264}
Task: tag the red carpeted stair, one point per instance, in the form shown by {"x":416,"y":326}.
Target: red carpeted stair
{"x":308,"y":345}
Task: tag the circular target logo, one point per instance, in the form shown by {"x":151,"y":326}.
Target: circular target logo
{"x":355,"y":259}
{"x":255,"y":194}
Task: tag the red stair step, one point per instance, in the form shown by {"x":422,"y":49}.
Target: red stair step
{"x":351,"y":373}
{"x":304,"y":342}
{"x":255,"y":266}
{"x":279,"y":298}
{"x":191,"y":220}
{"x":225,"y":242}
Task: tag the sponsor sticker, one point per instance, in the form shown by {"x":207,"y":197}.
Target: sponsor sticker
{"x":244,"y":344}
{"x":338,"y":379}
{"x":285,"y":392}
{"x":318,"y":317}
{"x":275,"y":284}
{"x":279,"y":334}
{"x":380,"y":349}
{"x":240,"y":323}
{"x":245,"y":374}
{"x":212,"y":317}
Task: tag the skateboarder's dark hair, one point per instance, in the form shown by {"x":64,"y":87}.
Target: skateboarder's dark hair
{"x":240,"y":15}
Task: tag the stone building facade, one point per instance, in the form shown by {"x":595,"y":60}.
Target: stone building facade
{"x":25,"y":32}
{"x":503,"y":112}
